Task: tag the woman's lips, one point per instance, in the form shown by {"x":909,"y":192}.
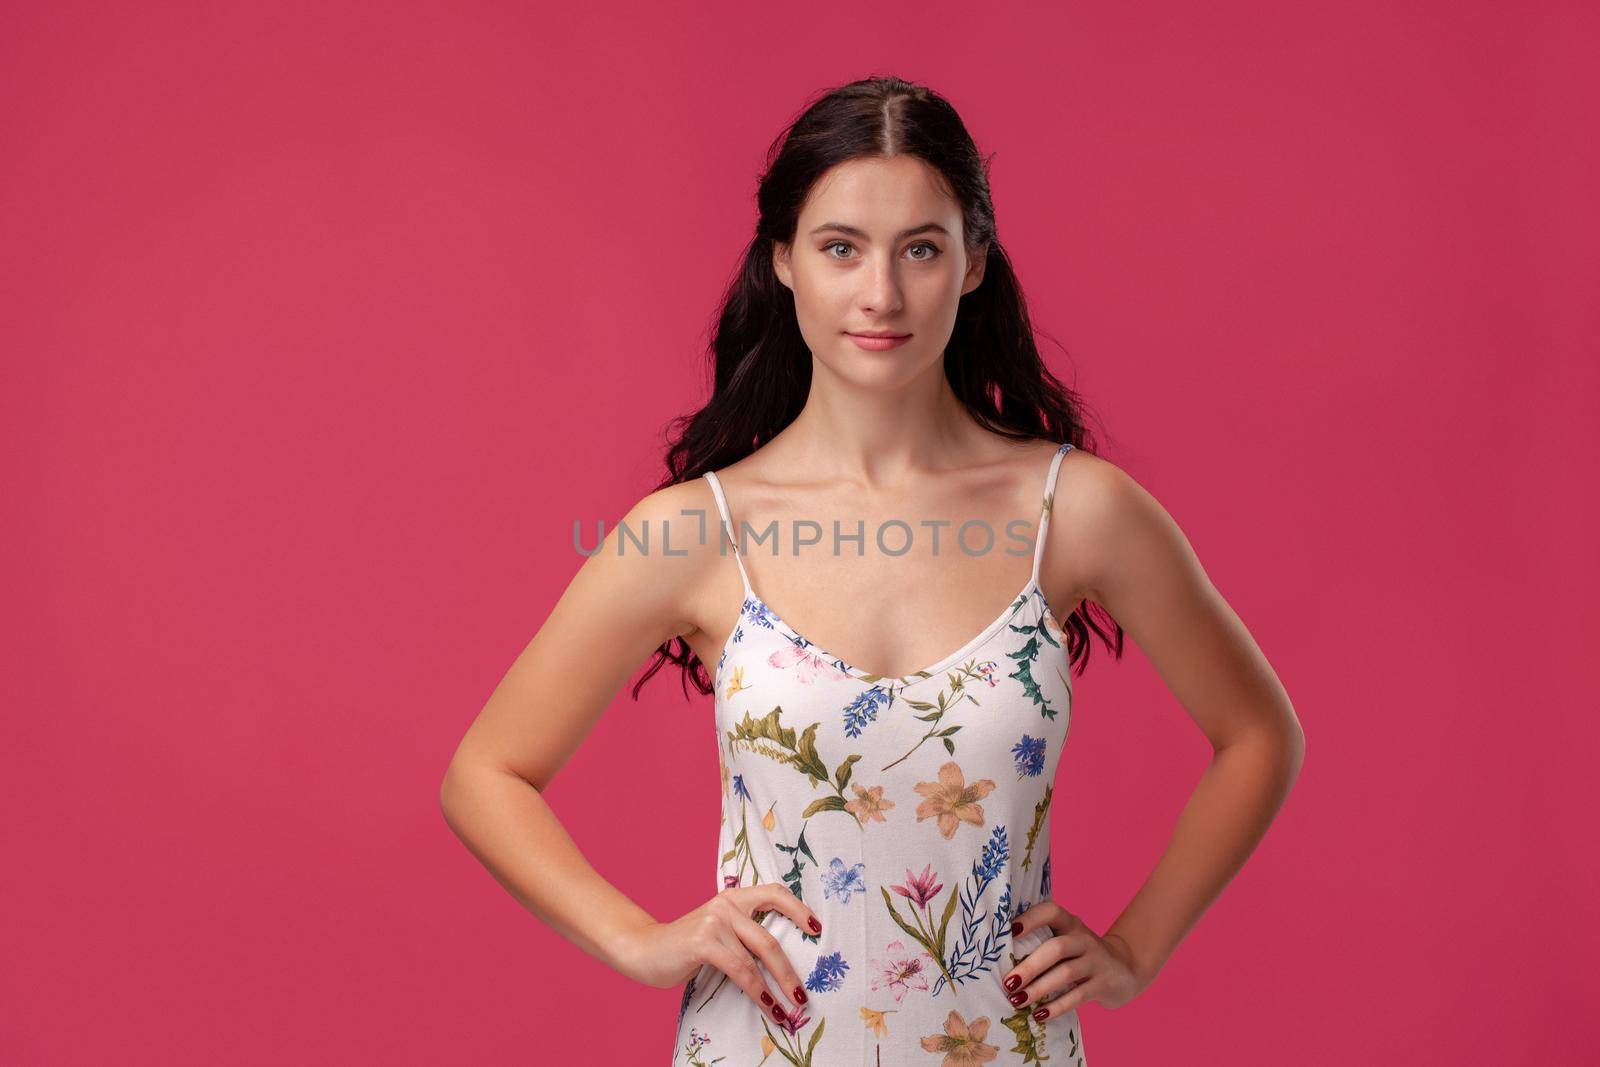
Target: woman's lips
{"x":878,"y":344}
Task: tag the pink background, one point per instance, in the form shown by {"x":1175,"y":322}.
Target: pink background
{"x":321,"y":324}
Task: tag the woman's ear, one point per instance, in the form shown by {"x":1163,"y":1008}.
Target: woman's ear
{"x":975,"y":264}
{"x":781,"y":266}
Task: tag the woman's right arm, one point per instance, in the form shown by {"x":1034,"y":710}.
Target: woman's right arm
{"x":613,"y":615}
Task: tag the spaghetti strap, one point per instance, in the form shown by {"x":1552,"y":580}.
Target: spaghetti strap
{"x":727,"y":528}
{"x":1044,"y":509}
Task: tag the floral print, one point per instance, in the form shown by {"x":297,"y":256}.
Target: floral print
{"x":962,"y":1042}
{"x":899,"y":971}
{"x":869,"y":804}
{"x":840,"y":881}
{"x":828,"y":973}
{"x":951,"y":800}
{"x":912,"y":814}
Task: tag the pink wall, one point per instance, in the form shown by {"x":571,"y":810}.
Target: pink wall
{"x":321,"y":324}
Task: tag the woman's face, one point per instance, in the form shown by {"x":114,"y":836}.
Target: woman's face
{"x":878,"y":248}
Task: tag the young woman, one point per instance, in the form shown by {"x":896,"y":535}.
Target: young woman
{"x":888,"y":741}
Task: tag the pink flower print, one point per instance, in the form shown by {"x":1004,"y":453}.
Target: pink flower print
{"x":807,"y":664}
{"x":921,"y":888}
{"x":794,"y":1021}
{"x":987,"y":670}
{"x":898,"y":970}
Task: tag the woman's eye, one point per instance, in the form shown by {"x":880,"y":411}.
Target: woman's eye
{"x":932,"y":248}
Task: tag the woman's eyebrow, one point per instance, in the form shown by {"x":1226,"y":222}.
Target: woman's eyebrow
{"x":854,"y":232}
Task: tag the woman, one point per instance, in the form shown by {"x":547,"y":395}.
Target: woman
{"x":883,"y":886}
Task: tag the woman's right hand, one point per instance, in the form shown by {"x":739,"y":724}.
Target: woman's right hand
{"x":724,"y":933}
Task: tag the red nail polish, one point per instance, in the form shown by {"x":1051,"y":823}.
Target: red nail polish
{"x":799,"y":995}
{"x":1014,"y":981}
{"x":766,"y":998}
{"x":1042,"y":1014}
{"x":1017,"y":998}
{"x":816,"y":927}
{"x":778,"y":1013}
{"x":1016,"y":927}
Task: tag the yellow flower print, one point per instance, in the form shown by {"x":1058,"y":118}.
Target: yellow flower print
{"x":1052,"y":626}
{"x":725,"y":773}
{"x":767,"y":1048}
{"x":952,"y":800}
{"x":736,"y":682}
{"x":962,"y":1042}
{"x":868,"y":804}
{"x":875,"y":1021}
{"x":769,"y":820}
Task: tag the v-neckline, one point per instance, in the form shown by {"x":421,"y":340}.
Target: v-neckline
{"x":1013,"y":607}
{"x":977,"y":640}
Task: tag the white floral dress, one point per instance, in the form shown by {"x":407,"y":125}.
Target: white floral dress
{"x":912,"y":815}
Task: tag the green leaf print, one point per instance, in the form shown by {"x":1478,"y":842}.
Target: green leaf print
{"x":781,"y":1050}
{"x":842,"y":774}
{"x":1040,"y":810}
{"x":741,"y":850}
{"x":809,"y":761}
{"x":925,"y":938}
{"x":816,"y":1035}
{"x":953,"y":694}
{"x":1025,"y":657}
{"x":944,"y":921}
{"x":920,"y":937}
{"x":823,"y":804}
{"x":791,"y":1050}
{"x":767,"y":736}
{"x":792,"y":877}
{"x":752,"y":732}
{"x":1029,"y":1045}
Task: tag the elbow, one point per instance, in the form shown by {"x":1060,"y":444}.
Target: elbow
{"x":1294,"y":752}
{"x":465,"y":783}
{"x":451,"y":789}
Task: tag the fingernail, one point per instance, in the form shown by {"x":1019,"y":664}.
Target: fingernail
{"x":1042,"y":1014}
{"x":778,"y":1012}
{"x":1016,"y":927}
{"x":799,"y":995}
{"x":766,"y":998}
{"x":816,"y":927}
{"x":1017,"y":998}
{"x":1014,"y":981}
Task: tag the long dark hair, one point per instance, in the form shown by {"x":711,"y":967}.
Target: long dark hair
{"x":762,"y":367}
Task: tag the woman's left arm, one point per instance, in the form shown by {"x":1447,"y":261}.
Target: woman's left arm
{"x":1138,"y":565}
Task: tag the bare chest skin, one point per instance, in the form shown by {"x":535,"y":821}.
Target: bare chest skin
{"x":892,"y":608}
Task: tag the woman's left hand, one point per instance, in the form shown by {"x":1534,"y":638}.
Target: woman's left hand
{"x":1076,"y":963}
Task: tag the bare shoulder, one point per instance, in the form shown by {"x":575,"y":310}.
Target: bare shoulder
{"x":1130,"y":556}
{"x":629,"y":596}
{"x":1098,"y":513}
{"x":660,"y":554}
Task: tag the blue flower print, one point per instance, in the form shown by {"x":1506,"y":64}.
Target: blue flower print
{"x":828,"y":974}
{"x":840,"y":881}
{"x":864,"y":709}
{"x":995,"y":855}
{"x":739,"y":787}
{"x":757,"y":612}
{"x":1029,"y":754}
